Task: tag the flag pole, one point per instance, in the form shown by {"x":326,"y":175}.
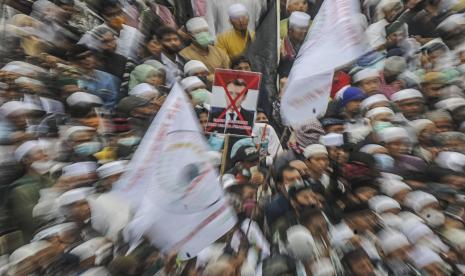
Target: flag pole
{"x":224,"y":157}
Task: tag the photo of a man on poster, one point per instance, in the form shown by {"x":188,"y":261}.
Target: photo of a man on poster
{"x":234,"y":103}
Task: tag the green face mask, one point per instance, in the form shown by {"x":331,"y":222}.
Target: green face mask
{"x":379,"y":126}
{"x":204,"y":39}
{"x":201,"y":96}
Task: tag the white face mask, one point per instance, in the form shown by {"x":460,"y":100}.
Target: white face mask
{"x":434,"y":218}
{"x":42,"y":167}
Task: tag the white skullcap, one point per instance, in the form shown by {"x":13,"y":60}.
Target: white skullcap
{"x":74,"y":129}
{"x":371,"y":148}
{"x":381,"y":204}
{"x":210,"y":254}
{"x":364,"y":74}
{"x":144,"y":90}
{"x":74,"y":195}
{"x":112,"y":168}
{"x":314,"y":149}
{"x":83,"y":98}
{"x":391,"y":240}
{"x":418,"y":200}
{"x":22,"y":68}
{"x":299,"y":19}
{"x":451,"y":160}
{"x":386,"y":175}
{"x":27,"y":251}
{"x":379,"y":110}
{"x":18,"y":108}
{"x":391,"y":187}
{"x":455,"y":237}
{"x":300,"y":243}
{"x":194,"y":66}
{"x":89,"y":248}
{"x":415,"y":230}
{"x":406,"y":94}
{"x":386,"y":3}
{"x":191,"y":82}
{"x":420,"y":124}
{"x":377,"y":98}
{"x":332,"y":140}
{"x":423,"y":256}
{"x":392,"y":134}
{"x":196,"y":24}
{"x":228,"y":180}
{"x":340,"y":234}
{"x":323,"y":267}
{"x":104,"y":219}
{"x":289,"y":2}
{"x":96,"y":271}
{"x":214,"y":158}
{"x":237,"y":10}
{"x":54,"y":230}
{"x":450,"y":104}
{"x":79,"y":168}
{"x":27,"y":80}
{"x":452,"y":22}
{"x":26,"y":148}
{"x":391,"y":220}
{"x":409,"y":217}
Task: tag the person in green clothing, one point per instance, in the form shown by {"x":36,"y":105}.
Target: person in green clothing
{"x":291,"y":6}
{"x":23,"y":194}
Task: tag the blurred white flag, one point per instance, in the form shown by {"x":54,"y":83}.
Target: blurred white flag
{"x":171,"y":186}
{"x":335,"y":39}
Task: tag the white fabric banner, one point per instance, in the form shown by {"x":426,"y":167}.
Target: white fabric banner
{"x":335,"y":39}
{"x":172,"y":188}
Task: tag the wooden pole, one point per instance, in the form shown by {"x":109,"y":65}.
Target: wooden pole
{"x":224,"y":157}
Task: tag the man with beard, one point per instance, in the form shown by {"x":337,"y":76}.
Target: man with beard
{"x":106,"y":43}
{"x":23,"y":194}
{"x":174,"y":63}
{"x":410,"y":102}
{"x":425,"y":130}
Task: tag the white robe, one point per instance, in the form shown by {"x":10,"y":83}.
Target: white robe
{"x":217,"y":13}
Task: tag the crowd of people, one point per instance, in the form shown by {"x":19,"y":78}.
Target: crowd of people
{"x":376,"y":186}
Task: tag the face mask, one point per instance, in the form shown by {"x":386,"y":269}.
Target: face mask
{"x":129,"y":141}
{"x":216,"y":142}
{"x":201,"y":96}
{"x":204,"y":39}
{"x":42,"y":167}
{"x":89,"y":148}
{"x":433,"y":217}
{"x":379,"y":126}
{"x":246,"y":172}
{"x":384,"y":161}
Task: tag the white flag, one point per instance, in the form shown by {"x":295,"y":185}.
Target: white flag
{"x":335,"y":39}
{"x":171,"y":186}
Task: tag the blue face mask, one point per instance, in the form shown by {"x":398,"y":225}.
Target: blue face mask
{"x":384,"y":161}
{"x":216,"y":142}
{"x":89,"y":148}
{"x":246,"y":172}
{"x":129,"y":141}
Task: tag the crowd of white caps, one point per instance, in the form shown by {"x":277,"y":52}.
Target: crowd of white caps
{"x":376,"y":186}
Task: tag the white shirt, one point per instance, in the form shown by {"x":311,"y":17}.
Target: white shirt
{"x":173,"y":73}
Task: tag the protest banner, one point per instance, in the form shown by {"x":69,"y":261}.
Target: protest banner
{"x":335,"y":39}
{"x":171,"y":186}
{"x":234,"y":102}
